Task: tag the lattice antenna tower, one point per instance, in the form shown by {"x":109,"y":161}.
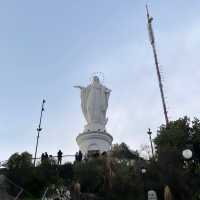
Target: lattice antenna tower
{"x":152,"y":41}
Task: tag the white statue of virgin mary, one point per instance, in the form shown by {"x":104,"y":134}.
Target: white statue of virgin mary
{"x":94,"y":103}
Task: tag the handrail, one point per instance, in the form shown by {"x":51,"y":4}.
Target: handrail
{"x":4,"y":162}
{"x":43,"y":196}
{"x":18,"y":195}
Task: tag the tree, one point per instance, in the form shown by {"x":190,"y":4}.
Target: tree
{"x":23,"y":160}
{"x":171,"y":140}
{"x":123,"y":152}
{"x":90,"y":175}
{"x":66,"y":173}
{"x":126,"y":183}
{"x":109,"y":179}
{"x":20,"y":170}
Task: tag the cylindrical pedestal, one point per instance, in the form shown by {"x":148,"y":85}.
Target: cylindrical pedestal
{"x":94,"y":141}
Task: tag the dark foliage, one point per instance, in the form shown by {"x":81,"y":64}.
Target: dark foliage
{"x":117,"y":175}
{"x":181,"y":175}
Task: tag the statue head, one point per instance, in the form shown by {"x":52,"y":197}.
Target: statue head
{"x":96,"y":79}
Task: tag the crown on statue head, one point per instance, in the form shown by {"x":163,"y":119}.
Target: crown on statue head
{"x":100,"y":76}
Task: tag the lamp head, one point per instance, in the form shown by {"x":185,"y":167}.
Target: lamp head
{"x":187,"y":154}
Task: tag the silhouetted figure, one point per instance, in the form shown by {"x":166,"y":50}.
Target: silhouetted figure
{"x":104,"y":154}
{"x":96,"y":155}
{"x":46,"y":156}
{"x":76,"y":156}
{"x":42,"y":158}
{"x":59,"y":155}
{"x":51,"y":160}
{"x":80,"y":156}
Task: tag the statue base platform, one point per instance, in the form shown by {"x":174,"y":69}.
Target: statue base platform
{"x":94,"y":141}
{"x":94,"y":127}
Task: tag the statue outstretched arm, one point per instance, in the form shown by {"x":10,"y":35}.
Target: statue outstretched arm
{"x":78,"y":86}
{"x":108,"y":90}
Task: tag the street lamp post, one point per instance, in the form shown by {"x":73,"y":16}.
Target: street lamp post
{"x":192,"y":149}
{"x":39,"y":130}
{"x":149,"y":133}
{"x":187,"y":155}
{"x":143,"y":172}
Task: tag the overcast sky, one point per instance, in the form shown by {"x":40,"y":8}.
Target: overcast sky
{"x":48,"y":46}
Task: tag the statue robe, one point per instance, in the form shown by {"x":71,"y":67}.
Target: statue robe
{"x":94,"y":103}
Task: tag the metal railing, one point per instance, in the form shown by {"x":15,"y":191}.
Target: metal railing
{"x":65,"y":158}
